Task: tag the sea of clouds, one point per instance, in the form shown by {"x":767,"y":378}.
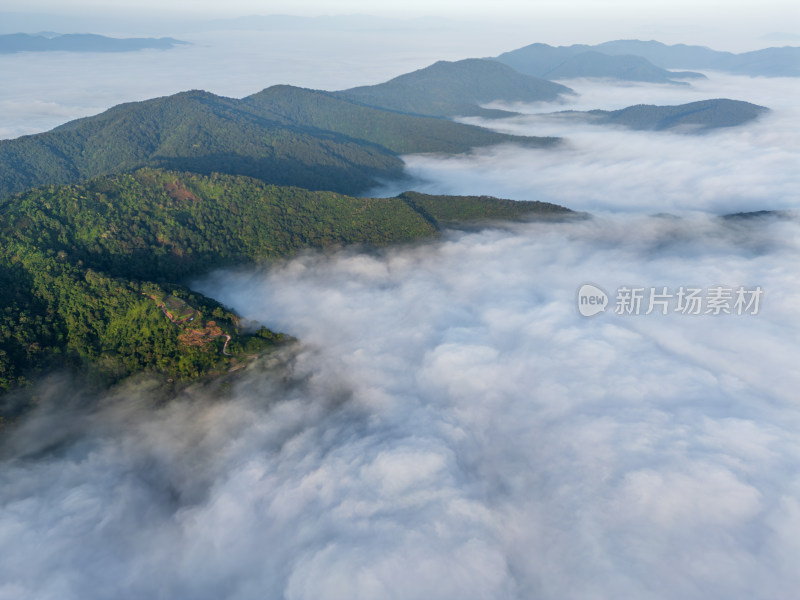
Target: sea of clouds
{"x":448,"y":425}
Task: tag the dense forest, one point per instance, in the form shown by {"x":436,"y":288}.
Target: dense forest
{"x":91,"y":274}
{"x":283,"y":135}
{"x":400,"y":133}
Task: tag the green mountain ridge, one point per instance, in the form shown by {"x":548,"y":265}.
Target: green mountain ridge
{"x":400,"y":133}
{"x":278,"y":135}
{"x":195,"y":131}
{"x":88,"y":271}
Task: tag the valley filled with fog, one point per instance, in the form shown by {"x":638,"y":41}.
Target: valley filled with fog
{"x":448,"y":425}
{"x":602,"y":168}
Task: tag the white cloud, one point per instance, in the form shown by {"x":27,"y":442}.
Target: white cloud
{"x":450,"y":427}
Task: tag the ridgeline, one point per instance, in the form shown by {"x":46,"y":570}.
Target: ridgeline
{"x":91,"y":274}
{"x":283,"y":135}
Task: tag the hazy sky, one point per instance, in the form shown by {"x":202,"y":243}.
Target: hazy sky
{"x":686,"y":8}
{"x":770,"y":15}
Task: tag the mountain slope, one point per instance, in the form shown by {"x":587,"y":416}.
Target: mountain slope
{"x":89,"y":273}
{"x":568,"y":62}
{"x":194,"y":131}
{"x":449,"y":89}
{"x":398,"y":132}
{"x":691,"y":117}
{"x":282,"y":135}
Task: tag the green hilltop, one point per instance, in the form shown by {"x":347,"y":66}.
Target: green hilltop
{"x":194,"y":131}
{"x":90,"y":273}
{"x":284,"y":135}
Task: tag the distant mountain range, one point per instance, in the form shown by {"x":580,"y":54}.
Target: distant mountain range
{"x":634,"y":60}
{"x":694,"y":117}
{"x":571,"y":62}
{"x":283,"y":135}
{"x":449,"y":89}
{"x":768,"y":62}
{"x":80,"y":42}
{"x":345,"y":141}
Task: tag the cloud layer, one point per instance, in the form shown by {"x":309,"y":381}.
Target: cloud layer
{"x":450,"y":427}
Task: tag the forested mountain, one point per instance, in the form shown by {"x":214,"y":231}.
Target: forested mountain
{"x":579,"y":60}
{"x":90,"y":274}
{"x":455,"y":211}
{"x":450,"y":89}
{"x":195,"y":131}
{"x":400,"y":133}
{"x":283,"y":135}
{"x":693,"y":117}
{"x":80,"y":42}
